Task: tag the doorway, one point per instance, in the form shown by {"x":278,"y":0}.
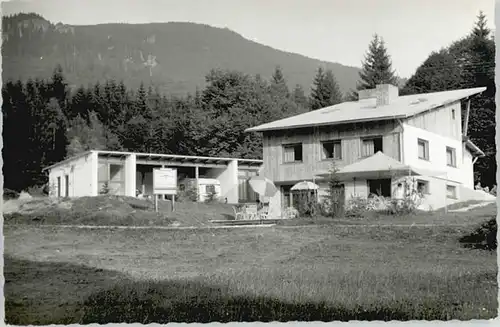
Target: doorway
{"x":66,"y":186}
{"x":58,"y":186}
{"x":379,"y":187}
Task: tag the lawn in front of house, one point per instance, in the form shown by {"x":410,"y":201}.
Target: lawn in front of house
{"x":108,"y":210}
{"x":465,"y":218}
{"x":323,"y":272}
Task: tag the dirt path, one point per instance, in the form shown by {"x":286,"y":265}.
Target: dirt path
{"x":148,"y":227}
{"x":472,"y":206}
{"x":239,"y":226}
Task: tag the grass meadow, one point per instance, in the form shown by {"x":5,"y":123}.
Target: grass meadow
{"x":323,"y":271}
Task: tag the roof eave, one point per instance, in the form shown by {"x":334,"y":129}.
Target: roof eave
{"x":479,"y":90}
{"x":351,"y":121}
{"x":67,"y":160}
{"x":478,"y":152}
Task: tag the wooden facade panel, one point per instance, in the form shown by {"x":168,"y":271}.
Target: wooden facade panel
{"x":446,"y":121}
{"x":312,"y":148}
{"x":392,"y":145}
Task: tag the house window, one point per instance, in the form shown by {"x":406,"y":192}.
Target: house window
{"x":292,"y":153}
{"x":371,"y":146}
{"x":451,"y":159}
{"x":423,"y":149}
{"x":453,"y":114}
{"x":332,"y":150}
{"x":380,"y":187}
{"x":422,"y":186}
{"x":451,"y":192}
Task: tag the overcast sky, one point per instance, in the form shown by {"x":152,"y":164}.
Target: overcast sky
{"x":331,"y":30}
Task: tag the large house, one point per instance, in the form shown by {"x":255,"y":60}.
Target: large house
{"x":376,"y":143}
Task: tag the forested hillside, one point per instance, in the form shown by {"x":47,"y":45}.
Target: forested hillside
{"x":175,"y":57}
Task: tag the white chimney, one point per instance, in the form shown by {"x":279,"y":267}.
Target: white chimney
{"x":384,"y":93}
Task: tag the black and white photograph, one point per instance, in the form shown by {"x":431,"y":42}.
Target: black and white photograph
{"x":190,"y":161}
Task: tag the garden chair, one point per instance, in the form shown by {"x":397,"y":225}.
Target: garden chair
{"x":264,"y":213}
{"x":289,"y":213}
{"x":251,"y":212}
{"x":238,"y":213}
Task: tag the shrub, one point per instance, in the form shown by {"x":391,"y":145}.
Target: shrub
{"x":307,"y":205}
{"x":358,"y":206}
{"x":37,"y":191}
{"x":333,"y":204}
{"x":188,"y":194}
{"x":9,"y":194}
{"x":105,"y":189}
{"x":483,"y":237}
{"x":412,"y":198}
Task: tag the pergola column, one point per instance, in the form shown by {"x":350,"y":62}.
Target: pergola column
{"x":197,"y":182}
{"x":94,"y":178}
{"x":130,"y":175}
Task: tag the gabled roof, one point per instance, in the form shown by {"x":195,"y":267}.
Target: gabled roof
{"x":377,"y":162}
{"x":366,"y":110}
{"x":381,"y":163}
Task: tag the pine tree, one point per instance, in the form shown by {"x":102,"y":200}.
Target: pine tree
{"x":17,"y":134}
{"x":84,"y":136}
{"x":467,"y":63}
{"x":299,"y":97}
{"x":53,"y":132}
{"x":80,"y":104}
{"x":316,"y":99}
{"x":377,"y":66}
{"x":333,"y":95}
{"x":325,"y":90}
{"x":279,"y":87}
{"x":480,"y":29}
{"x":482,"y":116}
{"x":58,"y":88}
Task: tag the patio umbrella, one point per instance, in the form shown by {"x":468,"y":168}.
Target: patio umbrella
{"x":262,"y":186}
{"x":304,"y":186}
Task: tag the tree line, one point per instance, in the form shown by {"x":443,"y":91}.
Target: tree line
{"x":45,"y":122}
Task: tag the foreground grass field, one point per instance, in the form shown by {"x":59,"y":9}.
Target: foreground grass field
{"x":325,"y":272}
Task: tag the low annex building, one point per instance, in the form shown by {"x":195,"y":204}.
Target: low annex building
{"x":126,"y":173}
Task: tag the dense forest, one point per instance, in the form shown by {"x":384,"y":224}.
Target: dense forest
{"x":46,"y":121}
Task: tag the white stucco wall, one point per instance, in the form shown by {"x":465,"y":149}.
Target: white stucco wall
{"x":467,"y":169}
{"x":436,"y":197}
{"x":114,"y":175}
{"x":130,"y":175}
{"x":228,"y":178}
{"x":356,"y":188}
{"x":437,"y":153}
{"x":82,"y":175}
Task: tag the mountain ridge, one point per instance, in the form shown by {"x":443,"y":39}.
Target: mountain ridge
{"x":173,"y":56}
